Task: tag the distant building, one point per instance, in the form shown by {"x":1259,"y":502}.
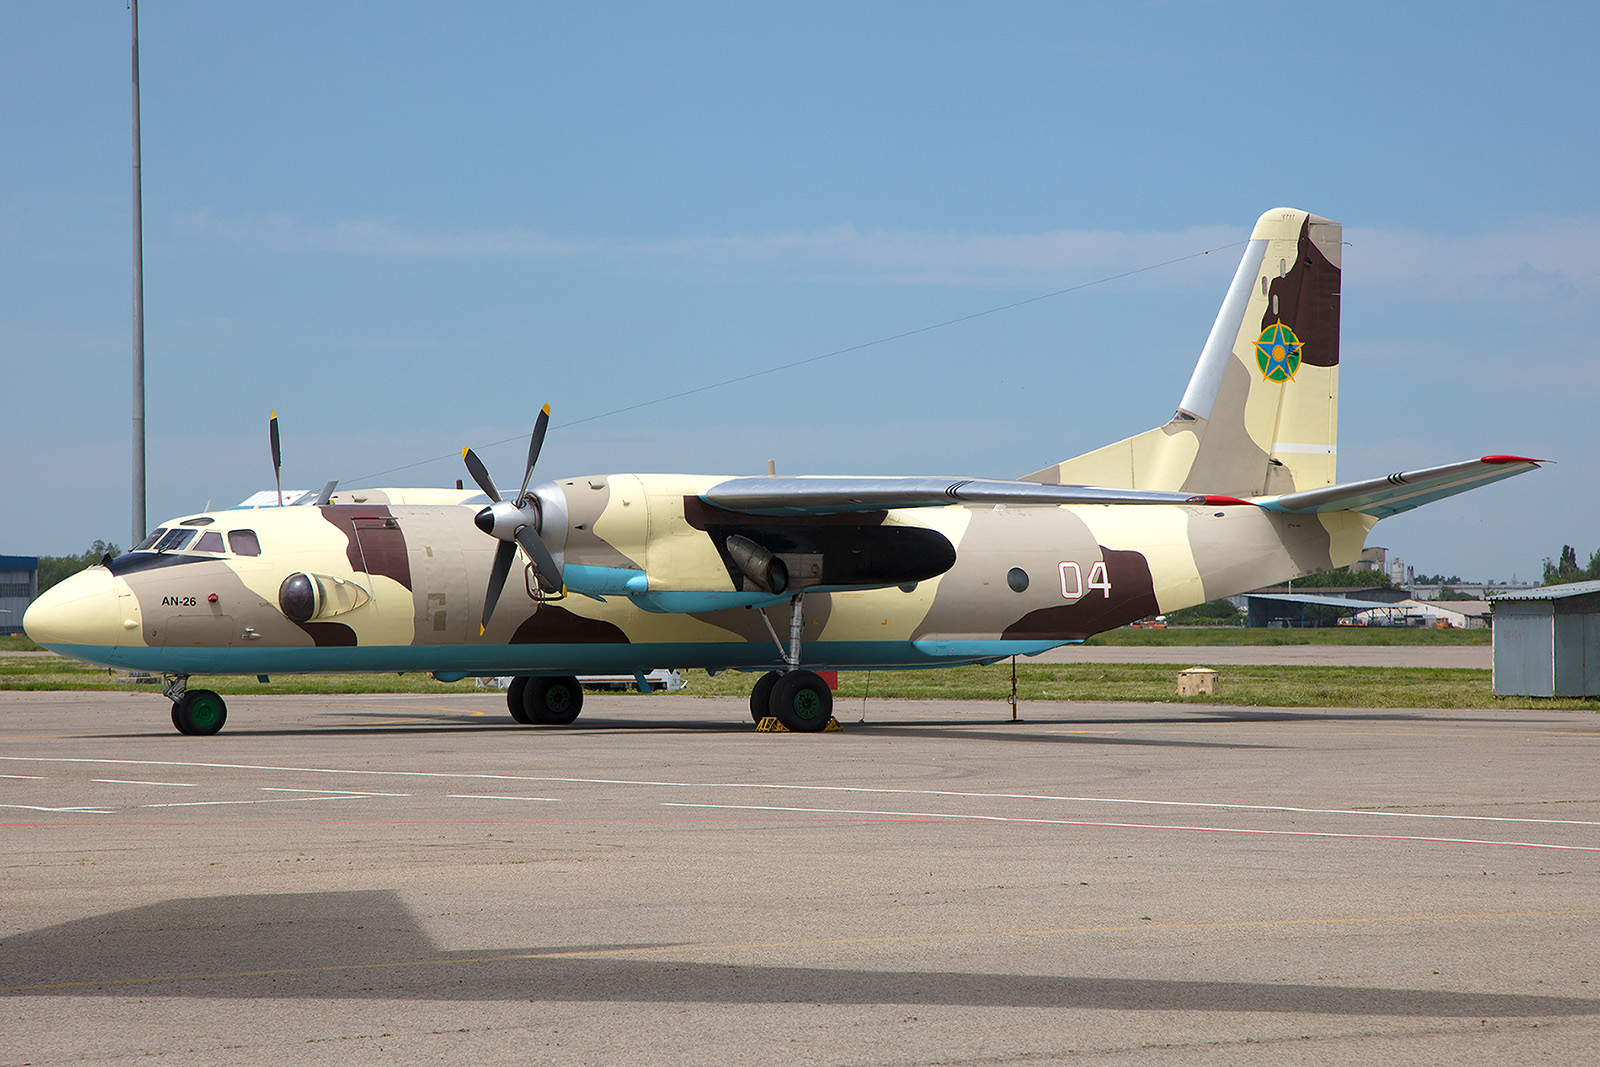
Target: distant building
{"x":1283,"y":605}
{"x":1477,"y":590}
{"x":19,"y":587}
{"x":1461,"y":614}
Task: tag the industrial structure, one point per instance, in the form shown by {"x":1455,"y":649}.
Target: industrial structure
{"x":1547,"y":641}
{"x":19,"y":586}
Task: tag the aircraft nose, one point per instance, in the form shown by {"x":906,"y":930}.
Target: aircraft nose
{"x":80,"y":610}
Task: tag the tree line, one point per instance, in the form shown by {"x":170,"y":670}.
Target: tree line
{"x":1566,"y":569}
{"x":53,"y":569}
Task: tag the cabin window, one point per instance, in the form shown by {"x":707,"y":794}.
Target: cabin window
{"x":210,"y":541}
{"x":1017,"y":579}
{"x":175,"y":541}
{"x":244,"y":543}
{"x":149,"y":542}
{"x":203,"y":520}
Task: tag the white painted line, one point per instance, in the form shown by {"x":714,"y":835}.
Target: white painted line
{"x":1368,"y":812}
{"x":75,"y":811}
{"x":1138,"y":826}
{"x":31,"y":777}
{"x":344,"y":792}
{"x":227,"y":803}
{"x":488,"y":796}
{"x":124,"y":781}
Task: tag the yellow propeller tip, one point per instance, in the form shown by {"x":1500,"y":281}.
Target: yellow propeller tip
{"x":464,"y":450}
{"x":547,"y":409}
{"x":274,"y":412}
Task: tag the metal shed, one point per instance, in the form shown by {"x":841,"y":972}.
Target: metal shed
{"x":1547,"y":641}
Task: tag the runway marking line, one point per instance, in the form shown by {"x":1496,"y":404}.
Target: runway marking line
{"x":1368,"y":812}
{"x":1134,"y":826}
{"x":125,"y":781}
{"x":488,"y":796}
{"x":688,"y":949}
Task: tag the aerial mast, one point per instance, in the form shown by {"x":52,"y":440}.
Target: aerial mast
{"x":139,"y":527}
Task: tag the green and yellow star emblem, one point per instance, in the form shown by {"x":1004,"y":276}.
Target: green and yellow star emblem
{"x":1278,"y":353}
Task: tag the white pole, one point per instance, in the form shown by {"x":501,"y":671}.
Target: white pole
{"x":139,"y":527}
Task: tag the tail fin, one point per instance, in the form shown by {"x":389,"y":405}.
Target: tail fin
{"x":1260,"y":415}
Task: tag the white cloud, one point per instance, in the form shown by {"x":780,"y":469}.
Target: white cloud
{"x":1542,"y":258}
{"x":839,"y":253}
{"x":369,"y":237}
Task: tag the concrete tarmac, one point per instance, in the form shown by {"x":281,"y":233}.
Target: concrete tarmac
{"x":399,"y":879}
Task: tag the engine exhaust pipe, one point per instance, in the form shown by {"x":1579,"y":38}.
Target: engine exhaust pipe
{"x":768,"y":572}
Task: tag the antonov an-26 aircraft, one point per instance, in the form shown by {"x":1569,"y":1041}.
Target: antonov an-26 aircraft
{"x":626,"y":573}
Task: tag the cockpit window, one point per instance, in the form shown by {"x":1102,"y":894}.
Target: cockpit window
{"x":155,"y":536}
{"x":210,"y":541}
{"x":175,"y":540}
{"x":243,"y":542}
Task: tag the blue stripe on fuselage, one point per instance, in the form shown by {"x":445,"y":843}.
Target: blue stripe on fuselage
{"x":494,"y":660}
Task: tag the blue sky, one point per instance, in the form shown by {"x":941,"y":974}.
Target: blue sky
{"x":407,"y":226}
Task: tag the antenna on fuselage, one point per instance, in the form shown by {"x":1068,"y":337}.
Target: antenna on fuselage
{"x":277,"y":455}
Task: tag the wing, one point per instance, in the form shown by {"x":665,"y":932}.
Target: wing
{"x":1382,"y":497}
{"x":827,"y":495}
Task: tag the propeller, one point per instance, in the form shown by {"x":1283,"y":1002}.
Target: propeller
{"x":277,"y":454}
{"x":323,"y":497}
{"x":517,"y":522}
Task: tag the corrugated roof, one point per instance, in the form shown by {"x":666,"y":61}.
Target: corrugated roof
{"x":1553,"y":592}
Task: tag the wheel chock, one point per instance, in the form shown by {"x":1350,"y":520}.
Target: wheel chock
{"x":771,"y":725}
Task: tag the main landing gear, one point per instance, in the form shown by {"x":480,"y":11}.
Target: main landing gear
{"x":197,"y":712}
{"x":545,"y":701}
{"x":799,"y":699}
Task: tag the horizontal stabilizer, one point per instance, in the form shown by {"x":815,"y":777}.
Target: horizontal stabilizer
{"x":828,"y":496}
{"x":1382,"y":497}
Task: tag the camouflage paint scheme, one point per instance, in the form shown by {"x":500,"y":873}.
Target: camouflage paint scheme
{"x":650,"y":581}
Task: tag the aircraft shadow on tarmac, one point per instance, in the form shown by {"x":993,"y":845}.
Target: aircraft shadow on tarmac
{"x":366,"y":944}
{"x":951,"y":729}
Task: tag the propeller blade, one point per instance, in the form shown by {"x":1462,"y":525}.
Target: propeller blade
{"x":480,"y":474}
{"x":327,"y":492}
{"x":535,"y":443}
{"x":543,"y":561}
{"x":277,"y":454}
{"x":497,"y":580}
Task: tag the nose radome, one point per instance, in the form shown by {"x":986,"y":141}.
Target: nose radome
{"x":80,"y":610}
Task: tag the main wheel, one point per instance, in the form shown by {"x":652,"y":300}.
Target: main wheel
{"x":761,"y":695}
{"x":553,"y":701}
{"x":802,"y":701}
{"x":200,"y":712}
{"x":516,"y":700}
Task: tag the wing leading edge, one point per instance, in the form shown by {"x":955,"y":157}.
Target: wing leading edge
{"x":1382,"y":497}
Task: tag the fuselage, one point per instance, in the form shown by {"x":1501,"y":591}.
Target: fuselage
{"x":394,"y":580}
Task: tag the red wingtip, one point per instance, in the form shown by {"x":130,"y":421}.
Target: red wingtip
{"x":1498,"y":460}
{"x":1226,"y":501}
